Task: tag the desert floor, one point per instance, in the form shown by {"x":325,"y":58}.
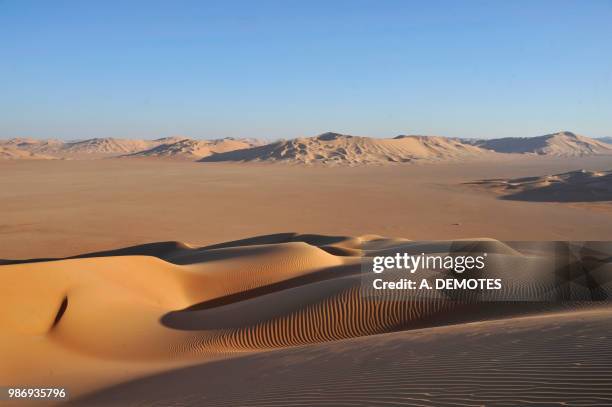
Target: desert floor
{"x":61,"y":208}
{"x":281,"y":319}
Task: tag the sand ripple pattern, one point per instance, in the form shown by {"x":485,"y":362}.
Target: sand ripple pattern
{"x":561,"y":359}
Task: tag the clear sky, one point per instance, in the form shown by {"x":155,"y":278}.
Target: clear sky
{"x":287,"y":68}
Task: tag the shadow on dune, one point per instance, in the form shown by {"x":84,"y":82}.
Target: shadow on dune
{"x":158,"y":249}
{"x":242,"y":309}
{"x":574,"y":186}
{"x":246,"y":154}
{"x":561,"y":193}
{"x":173,"y":251}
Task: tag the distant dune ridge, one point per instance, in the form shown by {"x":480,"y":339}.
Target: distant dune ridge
{"x":327,"y":148}
{"x":106,"y":146}
{"x":9,"y":152}
{"x":296,"y":303}
{"x":607,"y":140}
{"x":574,"y":186}
{"x":562,"y":144}
{"x":178,"y":147}
{"x":193,"y":149}
{"x":91,"y":148}
{"x":334,"y":148}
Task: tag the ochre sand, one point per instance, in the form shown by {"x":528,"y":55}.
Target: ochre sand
{"x":274,"y":320}
{"x":279,"y":319}
{"x":63,"y":208}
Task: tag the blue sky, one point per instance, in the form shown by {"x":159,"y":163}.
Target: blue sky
{"x":297,"y":68}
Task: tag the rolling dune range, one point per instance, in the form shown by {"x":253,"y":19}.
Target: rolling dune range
{"x":109,"y":147}
{"x":328,"y":149}
{"x":294,"y":303}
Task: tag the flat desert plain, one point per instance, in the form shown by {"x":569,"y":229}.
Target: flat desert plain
{"x":217,"y":284}
{"x":56,"y":208}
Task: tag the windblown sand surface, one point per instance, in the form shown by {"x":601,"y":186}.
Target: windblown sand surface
{"x":273,"y":320}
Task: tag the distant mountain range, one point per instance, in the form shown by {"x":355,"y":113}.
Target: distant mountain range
{"x":327,"y":148}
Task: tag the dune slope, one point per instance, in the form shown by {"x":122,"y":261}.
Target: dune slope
{"x":102,"y":319}
{"x":560,"y":359}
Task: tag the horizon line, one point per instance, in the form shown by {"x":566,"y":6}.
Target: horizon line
{"x":76,"y":140}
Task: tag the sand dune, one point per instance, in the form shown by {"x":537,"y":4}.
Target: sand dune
{"x":333,"y":148}
{"x":560,"y":359}
{"x":327,"y":148}
{"x":9,"y":152}
{"x":104,"y":318}
{"x":563,"y":144}
{"x":607,"y":140}
{"x":179,"y":147}
{"x":574,"y":186}
{"x":106,"y":146}
{"x":42,"y":146}
{"x":91,"y":148}
{"x":194,"y":149}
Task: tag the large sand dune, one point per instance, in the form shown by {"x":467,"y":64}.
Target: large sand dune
{"x":106,"y":146}
{"x":562,"y":144}
{"x":177,"y":147}
{"x":275,"y":318}
{"x":90,"y":148}
{"x":333,"y":148}
{"x":9,"y":152}
{"x":194,"y":149}
{"x":574,"y":186}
